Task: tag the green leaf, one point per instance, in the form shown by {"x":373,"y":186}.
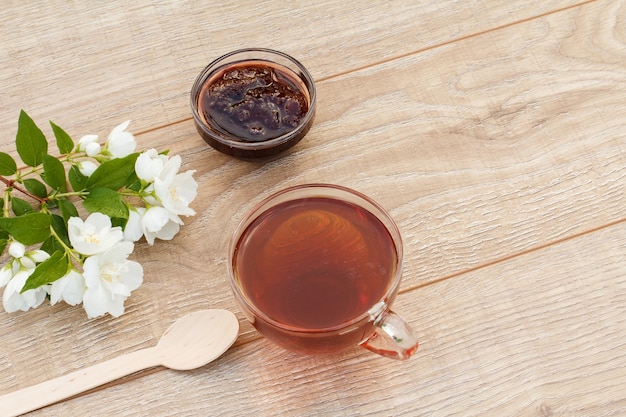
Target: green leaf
{"x":52,"y":204}
{"x":20,"y":206}
{"x":7,"y":164}
{"x":30,"y":141}
{"x":113,"y":174}
{"x":117,"y":221}
{"x":133,"y":182}
{"x":48,"y":271}
{"x":52,"y":244}
{"x":135,"y":185}
{"x":78,"y":181}
{"x":28,"y":229}
{"x":67,"y":209}
{"x":106,"y":201}
{"x":60,"y":228}
{"x":54,"y":173}
{"x":3,"y":244}
{"x":36,"y":187}
{"x":64,"y":141}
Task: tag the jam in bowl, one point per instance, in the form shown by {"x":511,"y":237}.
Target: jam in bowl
{"x":253,"y":103}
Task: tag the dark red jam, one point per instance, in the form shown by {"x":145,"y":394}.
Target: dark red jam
{"x":253,"y":103}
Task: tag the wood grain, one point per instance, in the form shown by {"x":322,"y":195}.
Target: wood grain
{"x":517,"y":338}
{"x":192,"y":341}
{"x":89,"y":66}
{"x":492,"y":131}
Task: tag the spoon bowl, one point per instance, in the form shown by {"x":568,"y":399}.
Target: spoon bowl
{"x":192,"y":341}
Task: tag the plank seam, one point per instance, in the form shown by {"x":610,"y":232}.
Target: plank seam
{"x":513,"y":256}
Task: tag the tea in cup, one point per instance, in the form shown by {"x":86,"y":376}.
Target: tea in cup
{"x":315,"y":269}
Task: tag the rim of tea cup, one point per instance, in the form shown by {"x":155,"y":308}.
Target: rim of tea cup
{"x":376,"y":309}
{"x":232,"y":144}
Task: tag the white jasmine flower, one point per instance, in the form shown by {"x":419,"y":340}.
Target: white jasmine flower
{"x":133,"y":231}
{"x":6,"y":273}
{"x":170,"y":169}
{"x":150,"y":164}
{"x":69,"y":288}
{"x":27,"y":262}
{"x":32,"y":258}
{"x":87,"y":168}
{"x":92,"y":149}
{"x":177,"y":194}
{"x":121,"y":143}
{"x":89,"y":144}
{"x":17,"y":249}
{"x":23,"y":259}
{"x":153,"y":223}
{"x":14,"y":301}
{"x":94,"y":235}
{"x":157,"y":222}
{"x":176,"y":191}
{"x":37,"y":255}
{"x":110,"y":277}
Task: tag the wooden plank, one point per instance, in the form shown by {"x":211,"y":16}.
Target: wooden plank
{"x":521,"y":144}
{"x":471,"y":174}
{"x":473,"y":183}
{"x":90,"y":66}
{"x":540,"y":334}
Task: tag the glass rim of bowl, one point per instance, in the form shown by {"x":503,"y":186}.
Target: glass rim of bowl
{"x":265,"y":56}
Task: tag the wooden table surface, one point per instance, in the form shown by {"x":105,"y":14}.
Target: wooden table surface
{"x":494,"y":132}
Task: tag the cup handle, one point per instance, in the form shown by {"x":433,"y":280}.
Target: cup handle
{"x":392,"y":338}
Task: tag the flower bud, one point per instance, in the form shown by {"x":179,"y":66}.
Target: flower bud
{"x":87,"y":168}
{"x":17,"y":249}
{"x":85,"y":141}
{"x":121,"y":143}
{"x":92,"y":149}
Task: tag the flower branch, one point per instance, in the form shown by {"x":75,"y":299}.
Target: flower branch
{"x":12,"y":184}
{"x":57,"y":255}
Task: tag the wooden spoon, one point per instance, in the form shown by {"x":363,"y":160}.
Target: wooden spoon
{"x":192,"y":341}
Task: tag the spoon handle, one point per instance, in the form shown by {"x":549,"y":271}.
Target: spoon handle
{"x":57,"y":389}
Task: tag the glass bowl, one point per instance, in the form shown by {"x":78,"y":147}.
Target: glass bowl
{"x":253,"y":103}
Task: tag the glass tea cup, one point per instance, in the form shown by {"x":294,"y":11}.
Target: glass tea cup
{"x":315,"y":269}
